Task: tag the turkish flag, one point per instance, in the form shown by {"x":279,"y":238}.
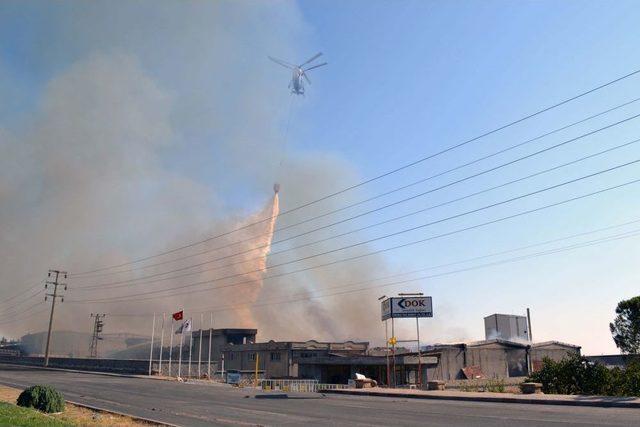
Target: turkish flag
{"x":178,"y":315}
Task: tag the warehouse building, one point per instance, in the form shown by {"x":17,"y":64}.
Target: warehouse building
{"x":283,"y":359}
{"x":338,"y":362}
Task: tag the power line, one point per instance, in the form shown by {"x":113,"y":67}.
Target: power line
{"x":7,"y":300}
{"x":128,"y":297}
{"x":608,"y":239}
{"x":477,"y":160}
{"x":16,"y":313}
{"x":17,"y":304}
{"x":385,"y":174}
{"x":491,"y":255}
{"x":137,"y":280}
{"x":636,"y":233}
{"x":25,"y":315}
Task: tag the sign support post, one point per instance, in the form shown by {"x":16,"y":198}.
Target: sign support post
{"x":210,"y":332}
{"x":419,"y":379}
{"x":405,"y":306}
{"x":386,"y":336}
{"x":153,"y":331}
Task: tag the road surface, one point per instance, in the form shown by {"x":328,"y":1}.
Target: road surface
{"x":200,"y":405}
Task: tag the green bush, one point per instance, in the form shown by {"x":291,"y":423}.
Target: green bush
{"x":495,"y":386}
{"x":43,"y":398}
{"x":575,"y":375}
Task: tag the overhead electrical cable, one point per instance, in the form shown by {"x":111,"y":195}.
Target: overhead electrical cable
{"x":15,"y":313}
{"x":159,"y":274}
{"x":12,"y":298}
{"x":156,"y":292}
{"x":23,"y":317}
{"x":634,"y":233}
{"x":378,"y":177}
{"x":282,"y":228}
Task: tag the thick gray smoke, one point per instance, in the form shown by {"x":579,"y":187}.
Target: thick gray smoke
{"x":150,"y":121}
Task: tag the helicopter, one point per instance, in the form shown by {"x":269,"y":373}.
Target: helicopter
{"x":297,"y":84}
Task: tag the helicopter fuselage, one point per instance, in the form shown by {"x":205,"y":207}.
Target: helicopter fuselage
{"x":297,"y":85}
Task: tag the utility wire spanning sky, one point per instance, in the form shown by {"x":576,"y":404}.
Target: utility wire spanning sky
{"x":126,"y":129}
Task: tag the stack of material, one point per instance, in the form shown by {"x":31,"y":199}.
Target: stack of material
{"x":364,"y":382}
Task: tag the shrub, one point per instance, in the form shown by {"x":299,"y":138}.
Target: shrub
{"x":495,"y":386}
{"x":42,"y":397}
{"x":576,"y":375}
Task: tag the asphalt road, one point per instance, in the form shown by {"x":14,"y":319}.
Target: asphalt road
{"x":199,"y":405}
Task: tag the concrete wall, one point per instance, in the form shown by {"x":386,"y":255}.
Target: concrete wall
{"x":133,"y":367}
{"x":491,"y":359}
{"x":495,"y":360}
{"x":451,"y":360}
{"x":553,"y":351}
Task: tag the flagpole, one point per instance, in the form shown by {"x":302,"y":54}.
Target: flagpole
{"x":210,"y":331}
{"x":161,"y":343}
{"x":180,"y":352}
{"x":171,"y":345}
{"x":190,"y":347}
{"x":153,"y":331}
{"x":200,"y":348}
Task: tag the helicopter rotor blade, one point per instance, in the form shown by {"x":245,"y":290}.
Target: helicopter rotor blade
{"x":283,"y":63}
{"x":317,"y":55}
{"x":316,"y":66}
{"x":305,"y":77}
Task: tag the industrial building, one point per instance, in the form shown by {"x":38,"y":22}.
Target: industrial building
{"x":236,"y":350}
{"x":338,"y":362}
{"x":288,"y":359}
{"x":219,"y":339}
{"x":495,"y":358}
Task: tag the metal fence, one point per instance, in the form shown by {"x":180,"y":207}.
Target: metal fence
{"x":302,"y":386}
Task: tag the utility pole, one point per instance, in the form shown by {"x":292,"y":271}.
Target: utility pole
{"x":98,"y":324}
{"x":55,"y":283}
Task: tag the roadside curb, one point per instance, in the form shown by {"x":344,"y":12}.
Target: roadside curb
{"x":494,"y":399}
{"x":123,"y":414}
{"x":78,"y":371}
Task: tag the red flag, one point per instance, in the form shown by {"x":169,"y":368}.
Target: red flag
{"x":178,"y":315}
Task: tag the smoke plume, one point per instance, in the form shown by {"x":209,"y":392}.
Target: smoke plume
{"x":147,"y":133}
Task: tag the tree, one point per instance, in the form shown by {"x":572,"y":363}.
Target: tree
{"x":626,"y":326}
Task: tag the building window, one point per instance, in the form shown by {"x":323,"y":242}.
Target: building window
{"x":252,"y":357}
{"x":275,"y":356}
{"x":232,"y":355}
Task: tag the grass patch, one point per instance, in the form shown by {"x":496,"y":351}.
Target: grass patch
{"x":11,"y":415}
{"x":73,"y":415}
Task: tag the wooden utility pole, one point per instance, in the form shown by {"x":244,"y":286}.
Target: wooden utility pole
{"x":55,"y":283}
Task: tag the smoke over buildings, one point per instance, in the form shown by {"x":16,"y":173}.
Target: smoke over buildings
{"x":145,"y":134}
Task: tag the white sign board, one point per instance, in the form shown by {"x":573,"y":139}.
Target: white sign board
{"x":399,"y":307}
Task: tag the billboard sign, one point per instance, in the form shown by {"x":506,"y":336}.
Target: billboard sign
{"x":398,"y":307}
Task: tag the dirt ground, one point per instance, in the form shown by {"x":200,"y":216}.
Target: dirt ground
{"x":76,"y":415}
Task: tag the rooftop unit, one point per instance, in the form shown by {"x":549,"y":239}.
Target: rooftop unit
{"x":507,"y":327}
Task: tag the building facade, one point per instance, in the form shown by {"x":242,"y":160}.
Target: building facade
{"x":284,"y":359}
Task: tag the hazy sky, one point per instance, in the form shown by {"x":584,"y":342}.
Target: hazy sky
{"x":128,"y":128}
